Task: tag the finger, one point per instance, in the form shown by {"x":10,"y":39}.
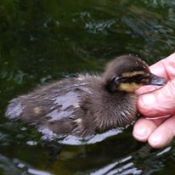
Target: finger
{"x":158,"y":103}
{"x":143,"y":129}
{"x":165,"y":67}
{"x":163,"y":135}
{"x":159,"y":69}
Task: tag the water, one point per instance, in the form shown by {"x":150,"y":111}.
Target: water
{"x":43,"y":41}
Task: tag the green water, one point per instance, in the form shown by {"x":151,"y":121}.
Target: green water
{"x":42,"y":41}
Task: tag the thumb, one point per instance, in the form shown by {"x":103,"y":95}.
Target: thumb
{"x":159,"y":102}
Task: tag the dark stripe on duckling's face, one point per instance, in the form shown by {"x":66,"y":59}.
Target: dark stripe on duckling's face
{"x":135,"y":77}
{"x":128,"y":81}
{"x":131,"y":81}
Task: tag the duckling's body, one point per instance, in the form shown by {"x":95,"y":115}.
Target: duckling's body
{"x":85,"y":105}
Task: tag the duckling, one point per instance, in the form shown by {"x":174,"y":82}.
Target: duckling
{"x":88,"y":104}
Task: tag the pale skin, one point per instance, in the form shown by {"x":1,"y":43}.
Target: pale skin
{"x":157,"y":105}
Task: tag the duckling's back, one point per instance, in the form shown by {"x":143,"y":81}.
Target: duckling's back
{"x":58,"y":106}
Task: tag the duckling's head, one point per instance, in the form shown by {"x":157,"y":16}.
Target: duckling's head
{"x":128,"y":73}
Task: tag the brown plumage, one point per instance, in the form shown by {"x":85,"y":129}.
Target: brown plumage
{"x":86,"y":105}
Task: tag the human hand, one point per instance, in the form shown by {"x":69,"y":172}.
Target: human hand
{"x":158,"y":107}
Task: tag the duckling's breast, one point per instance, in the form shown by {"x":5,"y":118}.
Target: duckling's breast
{"x":115,"y":110}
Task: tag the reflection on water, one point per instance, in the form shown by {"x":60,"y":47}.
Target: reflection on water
{"x":73,"y":140}
{"x":128,"y":164}
{"x":42,"y":41}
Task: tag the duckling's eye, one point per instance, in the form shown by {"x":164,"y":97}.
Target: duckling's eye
{"x":113,"y":83}
{"x":117,"y":80}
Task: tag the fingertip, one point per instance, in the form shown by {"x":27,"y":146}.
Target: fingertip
{"x":160,"y":139}
{"x":142,"y":129}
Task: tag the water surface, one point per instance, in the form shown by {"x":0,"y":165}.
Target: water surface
{"x":44,"y":41}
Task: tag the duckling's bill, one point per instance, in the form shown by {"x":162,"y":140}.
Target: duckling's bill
{"x":156,"y":80}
